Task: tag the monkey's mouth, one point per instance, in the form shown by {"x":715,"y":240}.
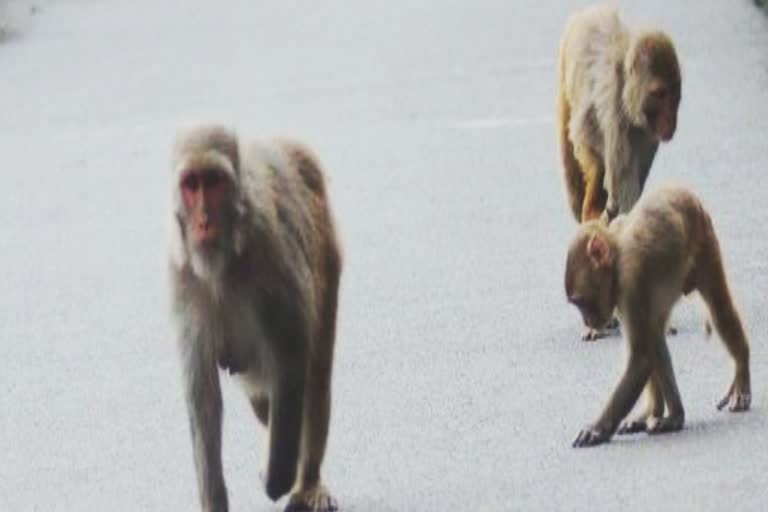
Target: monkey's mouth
{"x":205,"y":232}
{"x":666,"y":131}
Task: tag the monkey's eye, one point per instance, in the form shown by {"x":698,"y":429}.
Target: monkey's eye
{"x":659,"y":94}
{"x":190,"y":182}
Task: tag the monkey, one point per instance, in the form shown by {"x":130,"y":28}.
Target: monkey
{"x":618,"y":97}
{"x":255,"y":266}
{"x":640,"y":265}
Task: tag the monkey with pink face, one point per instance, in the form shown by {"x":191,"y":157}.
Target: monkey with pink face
{"x":255,"y":268}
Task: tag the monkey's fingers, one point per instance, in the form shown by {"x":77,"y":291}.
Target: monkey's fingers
{"x":591,"y":436}
{"x":592,"y":334}
{"x":736,"y":401}
{"x":632,"y":427}
{"x":665,"y":425}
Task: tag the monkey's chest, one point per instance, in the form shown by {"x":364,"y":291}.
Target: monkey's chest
{"x":239,"y":340}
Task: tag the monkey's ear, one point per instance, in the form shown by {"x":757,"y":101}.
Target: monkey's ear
{"x":598,"y":250}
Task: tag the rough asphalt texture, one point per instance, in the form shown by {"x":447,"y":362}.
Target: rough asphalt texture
{"x":460,"y":379}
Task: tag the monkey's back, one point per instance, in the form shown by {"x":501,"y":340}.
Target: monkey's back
{"x":594,"y":43}
{"x":666,"y":231}
{"x":286,"y":183}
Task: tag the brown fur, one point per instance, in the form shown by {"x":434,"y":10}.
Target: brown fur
{"x":640,"y":266}
{"x":618,"y":95}
{"x":262,"y":304}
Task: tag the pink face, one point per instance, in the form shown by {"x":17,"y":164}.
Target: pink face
{"x":204,"y":193}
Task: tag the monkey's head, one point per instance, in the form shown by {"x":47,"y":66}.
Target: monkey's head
{"x":206,"y":168}
{"x":652,"y":81}
{"x":590,"y":274}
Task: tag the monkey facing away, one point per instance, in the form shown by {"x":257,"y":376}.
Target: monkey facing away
{"x":640,"y":265}
{"x":618,"y":96}
{"x":255,"y":269}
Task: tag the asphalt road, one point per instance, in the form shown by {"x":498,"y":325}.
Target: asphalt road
{"x":460,"y":378}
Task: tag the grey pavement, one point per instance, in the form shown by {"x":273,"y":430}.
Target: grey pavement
{"x":460,"y":379}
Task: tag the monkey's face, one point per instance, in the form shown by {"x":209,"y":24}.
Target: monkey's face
{"x":206,"y":196}
{"x":591,"y":293}
{"x":660,"y":107}
{"x":589,"y":279}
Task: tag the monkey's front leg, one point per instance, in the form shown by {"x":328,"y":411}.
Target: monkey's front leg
{"x":624,"y":397}
{"x":204,"y":406}
{"x":309,"y":494}
{"x":285,"y":419}
{"x":653,"y":412}
{"x":615,"y":179}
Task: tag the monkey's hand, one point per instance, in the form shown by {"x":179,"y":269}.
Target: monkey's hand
{"x":634,"y":426}
{"x":737,"y":400}
{"x":673,"y":423}
{"x":611,"y":209}
{"x":591,"y":334}
{"x":591,"y":436}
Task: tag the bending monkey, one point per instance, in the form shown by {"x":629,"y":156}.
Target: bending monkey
{"x":640,"y":266}
{"x":618,"y":96}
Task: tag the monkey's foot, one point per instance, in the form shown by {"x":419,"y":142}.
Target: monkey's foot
{"x":736,"y":401}
{"x":634,"y":426}
{"x":591,"y":436}
{"x":314,"y":499}
{"x":665,"y":424}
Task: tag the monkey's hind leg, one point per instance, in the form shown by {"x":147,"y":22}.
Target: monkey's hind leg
{"x":595,"y":196}
{"x":653,"y":412}
{"x":713,"y":288}
{"x":309,"y":494}
{"x":573,"y":177}
{"x":666,"y":383}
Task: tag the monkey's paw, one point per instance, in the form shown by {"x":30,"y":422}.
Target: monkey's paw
{"x":665,"y":424}
{"x":592,"y":334}
{"x":315,"y":499}
{"x":591,"y":436}
{"x":736,"y":401}
{"x":633,"y":427}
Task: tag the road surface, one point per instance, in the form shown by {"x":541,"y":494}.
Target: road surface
{"x":460,"y":380}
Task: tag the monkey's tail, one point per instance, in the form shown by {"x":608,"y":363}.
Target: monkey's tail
{"x":573,"y":177}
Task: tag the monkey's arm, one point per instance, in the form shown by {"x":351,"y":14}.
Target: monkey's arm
{"x":642,"y":160}
{"x":204,"y":406}
{"x":287,"y":325}
{"x":615,"y":179}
